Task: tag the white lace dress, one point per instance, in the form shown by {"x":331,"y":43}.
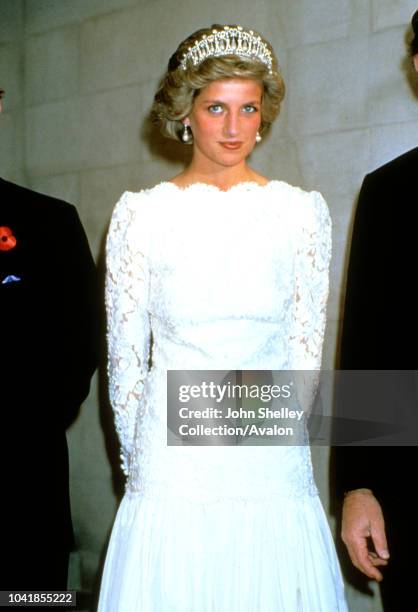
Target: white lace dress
{"x":221,"y":280}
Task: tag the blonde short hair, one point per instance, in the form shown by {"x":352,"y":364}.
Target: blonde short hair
{"x":179,"y":88}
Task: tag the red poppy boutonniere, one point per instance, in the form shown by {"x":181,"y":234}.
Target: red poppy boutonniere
{"x":7,"y":240}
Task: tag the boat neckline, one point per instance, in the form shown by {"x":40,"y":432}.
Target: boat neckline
{"x":251,"y":184}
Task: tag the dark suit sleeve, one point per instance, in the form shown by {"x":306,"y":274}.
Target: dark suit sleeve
{"x":77,"y":315}
{"x":359,"y":327}
{"x":379,"y":331}
{"x":359,"y":466}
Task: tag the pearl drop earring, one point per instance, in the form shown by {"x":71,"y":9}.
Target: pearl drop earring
{"x":186,"y":134}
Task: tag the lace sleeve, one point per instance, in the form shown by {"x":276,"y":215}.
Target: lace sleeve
{"x":128,"y":329}
{"x":311,"y":294}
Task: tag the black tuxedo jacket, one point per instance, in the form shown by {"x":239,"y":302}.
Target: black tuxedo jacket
{"x":48,"y":353}
{"x":380,"y":328}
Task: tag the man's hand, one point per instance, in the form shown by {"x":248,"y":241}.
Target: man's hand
{"x":362,"y":519}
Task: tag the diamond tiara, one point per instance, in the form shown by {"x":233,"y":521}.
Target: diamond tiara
{"x":229,"y":41}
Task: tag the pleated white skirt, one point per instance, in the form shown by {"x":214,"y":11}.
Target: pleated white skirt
{"x":232,"y":555}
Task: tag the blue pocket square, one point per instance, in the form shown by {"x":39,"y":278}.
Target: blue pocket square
{"x":10,"y":279}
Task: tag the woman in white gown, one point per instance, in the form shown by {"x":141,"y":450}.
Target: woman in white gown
{"x":217,"y":269}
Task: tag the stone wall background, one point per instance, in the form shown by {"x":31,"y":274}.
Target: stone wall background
{"x":80,"y":77}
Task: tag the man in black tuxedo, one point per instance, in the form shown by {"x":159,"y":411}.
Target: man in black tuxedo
{"x":48,"y":353}
{"x":379,"y":519}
